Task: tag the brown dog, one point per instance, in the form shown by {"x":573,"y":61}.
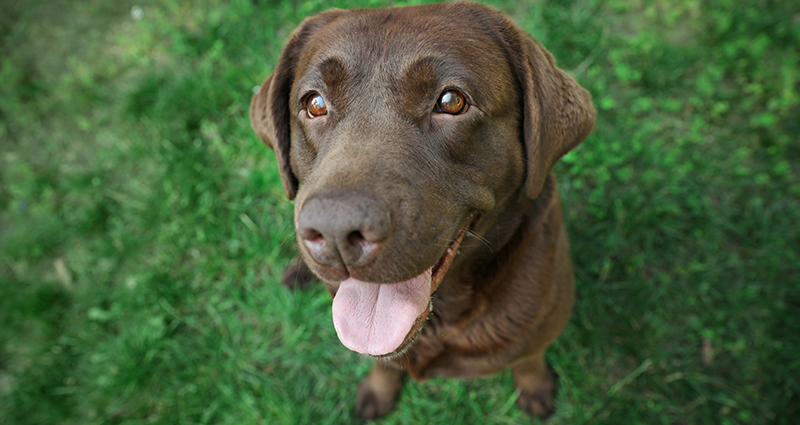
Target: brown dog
{"x":418,"y":143}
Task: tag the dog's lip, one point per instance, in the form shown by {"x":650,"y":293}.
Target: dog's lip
{"x":437,"y":276}
{"x":443,"y":265}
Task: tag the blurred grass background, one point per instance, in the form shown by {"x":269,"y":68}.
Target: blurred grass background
{"x":143,"y":229}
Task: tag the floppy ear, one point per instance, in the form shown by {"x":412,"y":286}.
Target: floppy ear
{"x":557,"y":113}
{"x":269,"y":108}
{"x":269,"y":117}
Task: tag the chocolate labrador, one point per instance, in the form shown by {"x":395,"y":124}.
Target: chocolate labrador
{"x":417,"y":143}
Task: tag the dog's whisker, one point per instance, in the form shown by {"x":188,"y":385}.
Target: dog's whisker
{"x":482,"y":240}
{"x":471,"y":233}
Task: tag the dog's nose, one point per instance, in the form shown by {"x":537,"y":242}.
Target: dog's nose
{"x":344,"y":230}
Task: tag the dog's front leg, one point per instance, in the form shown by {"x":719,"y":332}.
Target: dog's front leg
{"x":378,"y":391}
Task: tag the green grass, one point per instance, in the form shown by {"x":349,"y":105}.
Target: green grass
{"x":143,"y":229}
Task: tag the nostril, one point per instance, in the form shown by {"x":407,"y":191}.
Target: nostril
{"x":312,"y":238}
{"x":356,"y":238}
{"x":362,"y":247}
{"x":310,"y":234}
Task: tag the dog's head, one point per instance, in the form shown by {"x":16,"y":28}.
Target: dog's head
{"x":399,"y":130}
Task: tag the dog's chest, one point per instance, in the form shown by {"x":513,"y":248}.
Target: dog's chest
{"x":448,"y":350}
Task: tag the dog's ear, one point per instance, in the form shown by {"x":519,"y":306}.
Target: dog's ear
{"x":269,"y":108}
{"x":269,"y":117}
{"x":557,"y":113}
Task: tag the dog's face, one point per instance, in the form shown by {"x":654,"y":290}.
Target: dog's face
{"x":415,"y":117}
{"x":403,"y":129}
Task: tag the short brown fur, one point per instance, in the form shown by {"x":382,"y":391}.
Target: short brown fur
{"x":509,"y":293}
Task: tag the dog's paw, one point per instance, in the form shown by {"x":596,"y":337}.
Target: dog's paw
{"x":538,"y":400}
{"x":537,"y":403}
{"x":297,"y":275}
{"x":373,"y":403}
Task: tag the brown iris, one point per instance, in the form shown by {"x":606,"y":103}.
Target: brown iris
{"x":451,"y":102}
{"x":315,"y":106}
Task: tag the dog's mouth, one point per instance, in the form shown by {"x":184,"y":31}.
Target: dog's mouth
{"x":382,"y":320}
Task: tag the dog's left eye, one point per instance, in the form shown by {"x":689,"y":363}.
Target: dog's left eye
{"x":315,"y":106}
{"x":451,"y":102}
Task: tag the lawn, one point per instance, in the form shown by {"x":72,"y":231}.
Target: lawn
{"x":143,"y":229}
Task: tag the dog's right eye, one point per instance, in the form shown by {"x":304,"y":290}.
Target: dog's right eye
{"x":315,"y":106}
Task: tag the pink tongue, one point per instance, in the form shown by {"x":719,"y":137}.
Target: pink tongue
{"x":374,"y":318}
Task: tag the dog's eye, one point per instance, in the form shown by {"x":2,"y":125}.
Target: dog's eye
{"x":451,"y":102}
{"x":315,"y":106}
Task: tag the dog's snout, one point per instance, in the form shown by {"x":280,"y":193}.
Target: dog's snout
{"x":344,"y":231}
